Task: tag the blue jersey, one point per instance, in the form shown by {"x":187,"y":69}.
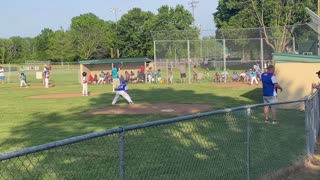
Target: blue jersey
{"x":122,"y":87}
{"x":268,"y":81}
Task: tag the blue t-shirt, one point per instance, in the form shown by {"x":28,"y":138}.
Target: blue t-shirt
{"x":122,"y":87}
{"x":115,"y":74}
{"x":268,"y":81}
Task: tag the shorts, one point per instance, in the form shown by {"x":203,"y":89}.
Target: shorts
{"x":270,"y":99}
{"x":2,"y":77}
{"x":183,"y":75}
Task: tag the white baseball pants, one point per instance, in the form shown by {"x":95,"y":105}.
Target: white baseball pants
{"x":123,"y":94}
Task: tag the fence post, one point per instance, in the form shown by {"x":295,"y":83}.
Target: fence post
{"x":307,"y":122}
{"x":189,"y":63}
{"x":261,"y":49}
{"x":224,"y":59}
{"x":248,"y":142}
{"x":122,"y":155}
{"x":154,"y":56}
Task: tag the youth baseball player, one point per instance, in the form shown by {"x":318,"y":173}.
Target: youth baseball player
{"x":122,"y":91}
{"x":84,"y":84}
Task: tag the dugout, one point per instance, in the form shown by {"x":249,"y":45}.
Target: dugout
{"x":296,"y":73}
{"x":95,"y":66}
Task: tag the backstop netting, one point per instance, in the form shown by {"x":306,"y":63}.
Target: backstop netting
{"x":206,"y":52}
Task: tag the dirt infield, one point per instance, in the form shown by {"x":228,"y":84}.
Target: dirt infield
{"x":161,"y":108}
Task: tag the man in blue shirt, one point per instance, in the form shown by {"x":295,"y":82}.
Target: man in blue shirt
{"x":270,"y":86}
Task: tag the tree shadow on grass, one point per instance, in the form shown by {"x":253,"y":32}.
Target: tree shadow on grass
{"x":203,"y":148}
{"x":255,"y":94}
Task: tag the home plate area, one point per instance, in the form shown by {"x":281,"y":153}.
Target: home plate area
{"x":161,"y":108}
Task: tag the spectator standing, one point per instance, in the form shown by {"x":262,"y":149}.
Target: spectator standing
{"x":270,"y":86}
{"x":258,"y":71}
{"x":170,"y":74}
{"x":159,"y":75}
{"x":195,"y":73}
{"x":2,"y":76}
{"x":182,"y":69}
{"x":314,"y":85}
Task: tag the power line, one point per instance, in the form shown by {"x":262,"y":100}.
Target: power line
{"x":193,"y":5}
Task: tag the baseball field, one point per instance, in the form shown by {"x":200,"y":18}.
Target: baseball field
{"x":35,"y":115}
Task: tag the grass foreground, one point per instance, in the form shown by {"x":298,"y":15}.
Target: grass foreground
{"x":204,"y":148}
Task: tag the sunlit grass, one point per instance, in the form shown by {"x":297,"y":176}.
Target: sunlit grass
{"x":206,"y":148}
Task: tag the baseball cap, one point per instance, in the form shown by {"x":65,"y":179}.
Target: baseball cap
{"x":125,"y":81}
{"x":318,"y":72}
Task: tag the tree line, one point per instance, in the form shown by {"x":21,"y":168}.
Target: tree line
{"x":90,"y":37}
{"x":278,"y":21}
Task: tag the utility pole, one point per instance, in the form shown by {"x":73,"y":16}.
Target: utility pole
{"x":318,"y":7}
{"x":115,"y":11}
{"x":193,"y":4}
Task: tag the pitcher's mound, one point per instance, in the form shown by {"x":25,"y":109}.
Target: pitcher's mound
{"x":162,"y":108}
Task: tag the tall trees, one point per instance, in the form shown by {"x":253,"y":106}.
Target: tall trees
{"x":263,"y":13}
{"x":61,"y":46}
{"x":133,"y":33}
{"x":90,"y":36}
{"x":42,"y":44}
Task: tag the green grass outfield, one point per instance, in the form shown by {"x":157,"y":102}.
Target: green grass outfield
{"x":218,"y":149}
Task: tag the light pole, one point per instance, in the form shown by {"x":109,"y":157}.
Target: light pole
{"x":115,"y":11}
{"x":193,"y":5}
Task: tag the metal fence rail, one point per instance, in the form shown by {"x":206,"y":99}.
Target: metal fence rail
{"x":224,"y":144}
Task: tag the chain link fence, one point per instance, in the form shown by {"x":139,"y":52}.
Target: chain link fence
{"x":61,"y":73}
{"x":232,"y":143}
{"x":206,"y":52}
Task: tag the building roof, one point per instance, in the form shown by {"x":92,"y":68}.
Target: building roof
{"x":118,"y":60}
{"x":283,"y":58}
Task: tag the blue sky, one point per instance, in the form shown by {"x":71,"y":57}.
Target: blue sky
{"x":26,"y":18}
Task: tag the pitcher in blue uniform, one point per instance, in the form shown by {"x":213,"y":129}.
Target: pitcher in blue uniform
{"x":122,"y":91}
